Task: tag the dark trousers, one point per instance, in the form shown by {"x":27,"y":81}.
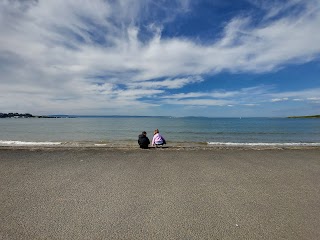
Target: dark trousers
{"x":144,"y":146}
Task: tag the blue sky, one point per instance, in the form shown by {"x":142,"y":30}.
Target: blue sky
{"x":216,"y":58}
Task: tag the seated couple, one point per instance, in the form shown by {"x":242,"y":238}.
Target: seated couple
{"x":157,"y":140}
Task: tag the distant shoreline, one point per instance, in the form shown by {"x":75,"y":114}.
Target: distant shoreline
{"x":312,"y":116}
{"x":28,"y":115}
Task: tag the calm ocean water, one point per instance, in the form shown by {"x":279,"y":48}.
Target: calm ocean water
{"x":218,"y":131}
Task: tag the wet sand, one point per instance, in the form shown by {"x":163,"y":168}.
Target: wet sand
{"x":84,"y":193}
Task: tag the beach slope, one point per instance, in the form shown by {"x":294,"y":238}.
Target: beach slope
{"x":159,"y":194}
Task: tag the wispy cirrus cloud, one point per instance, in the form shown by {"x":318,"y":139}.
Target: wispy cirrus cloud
{"x":309,"y":95}
{"x":279,"y":99}
{"x":110,"y":55}
{"x":166,"y":83}
{"x":253,"y":96}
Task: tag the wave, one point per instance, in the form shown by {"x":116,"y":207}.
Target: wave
{"x":132,"y":143}
{"x":22,"y":143}
{"x":261,"y":144}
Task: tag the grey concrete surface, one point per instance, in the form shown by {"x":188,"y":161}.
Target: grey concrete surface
{"x":159,"y":194}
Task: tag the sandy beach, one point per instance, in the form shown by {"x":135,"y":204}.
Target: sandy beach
{"x":99,"y":193}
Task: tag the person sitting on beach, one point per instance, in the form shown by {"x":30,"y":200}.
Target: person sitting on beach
{"x":157,"y":139}
{"x":143,"y":140}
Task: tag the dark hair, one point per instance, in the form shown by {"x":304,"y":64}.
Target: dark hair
{"x":144,"y":132}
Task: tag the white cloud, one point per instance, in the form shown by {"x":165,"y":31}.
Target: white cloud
{"x":251,"y":97}
{"x":251,"y":104}
{"x":279,"y":99}
{"x":167,"y":83}
{"x":200,"y":102}
{"x":84,"y":51}
{"x":275,"y":8}
{"x":300,"y":95}
{"x":245,"y":97}
{"x":314,"y":98}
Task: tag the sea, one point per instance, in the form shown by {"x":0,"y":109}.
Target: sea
{"x":124,"y":131}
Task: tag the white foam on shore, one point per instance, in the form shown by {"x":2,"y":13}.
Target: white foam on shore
{"x":21,"y":143}
{"x":262,"y":144}
{"x":100,"y":144}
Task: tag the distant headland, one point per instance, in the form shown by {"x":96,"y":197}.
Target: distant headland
{"x":24,"y":115}
{"x":313,"y":116}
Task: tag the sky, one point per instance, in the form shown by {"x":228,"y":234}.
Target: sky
{"x":212,"y":58}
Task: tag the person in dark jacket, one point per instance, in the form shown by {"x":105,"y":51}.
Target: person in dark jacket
{"x":143,"y":140}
